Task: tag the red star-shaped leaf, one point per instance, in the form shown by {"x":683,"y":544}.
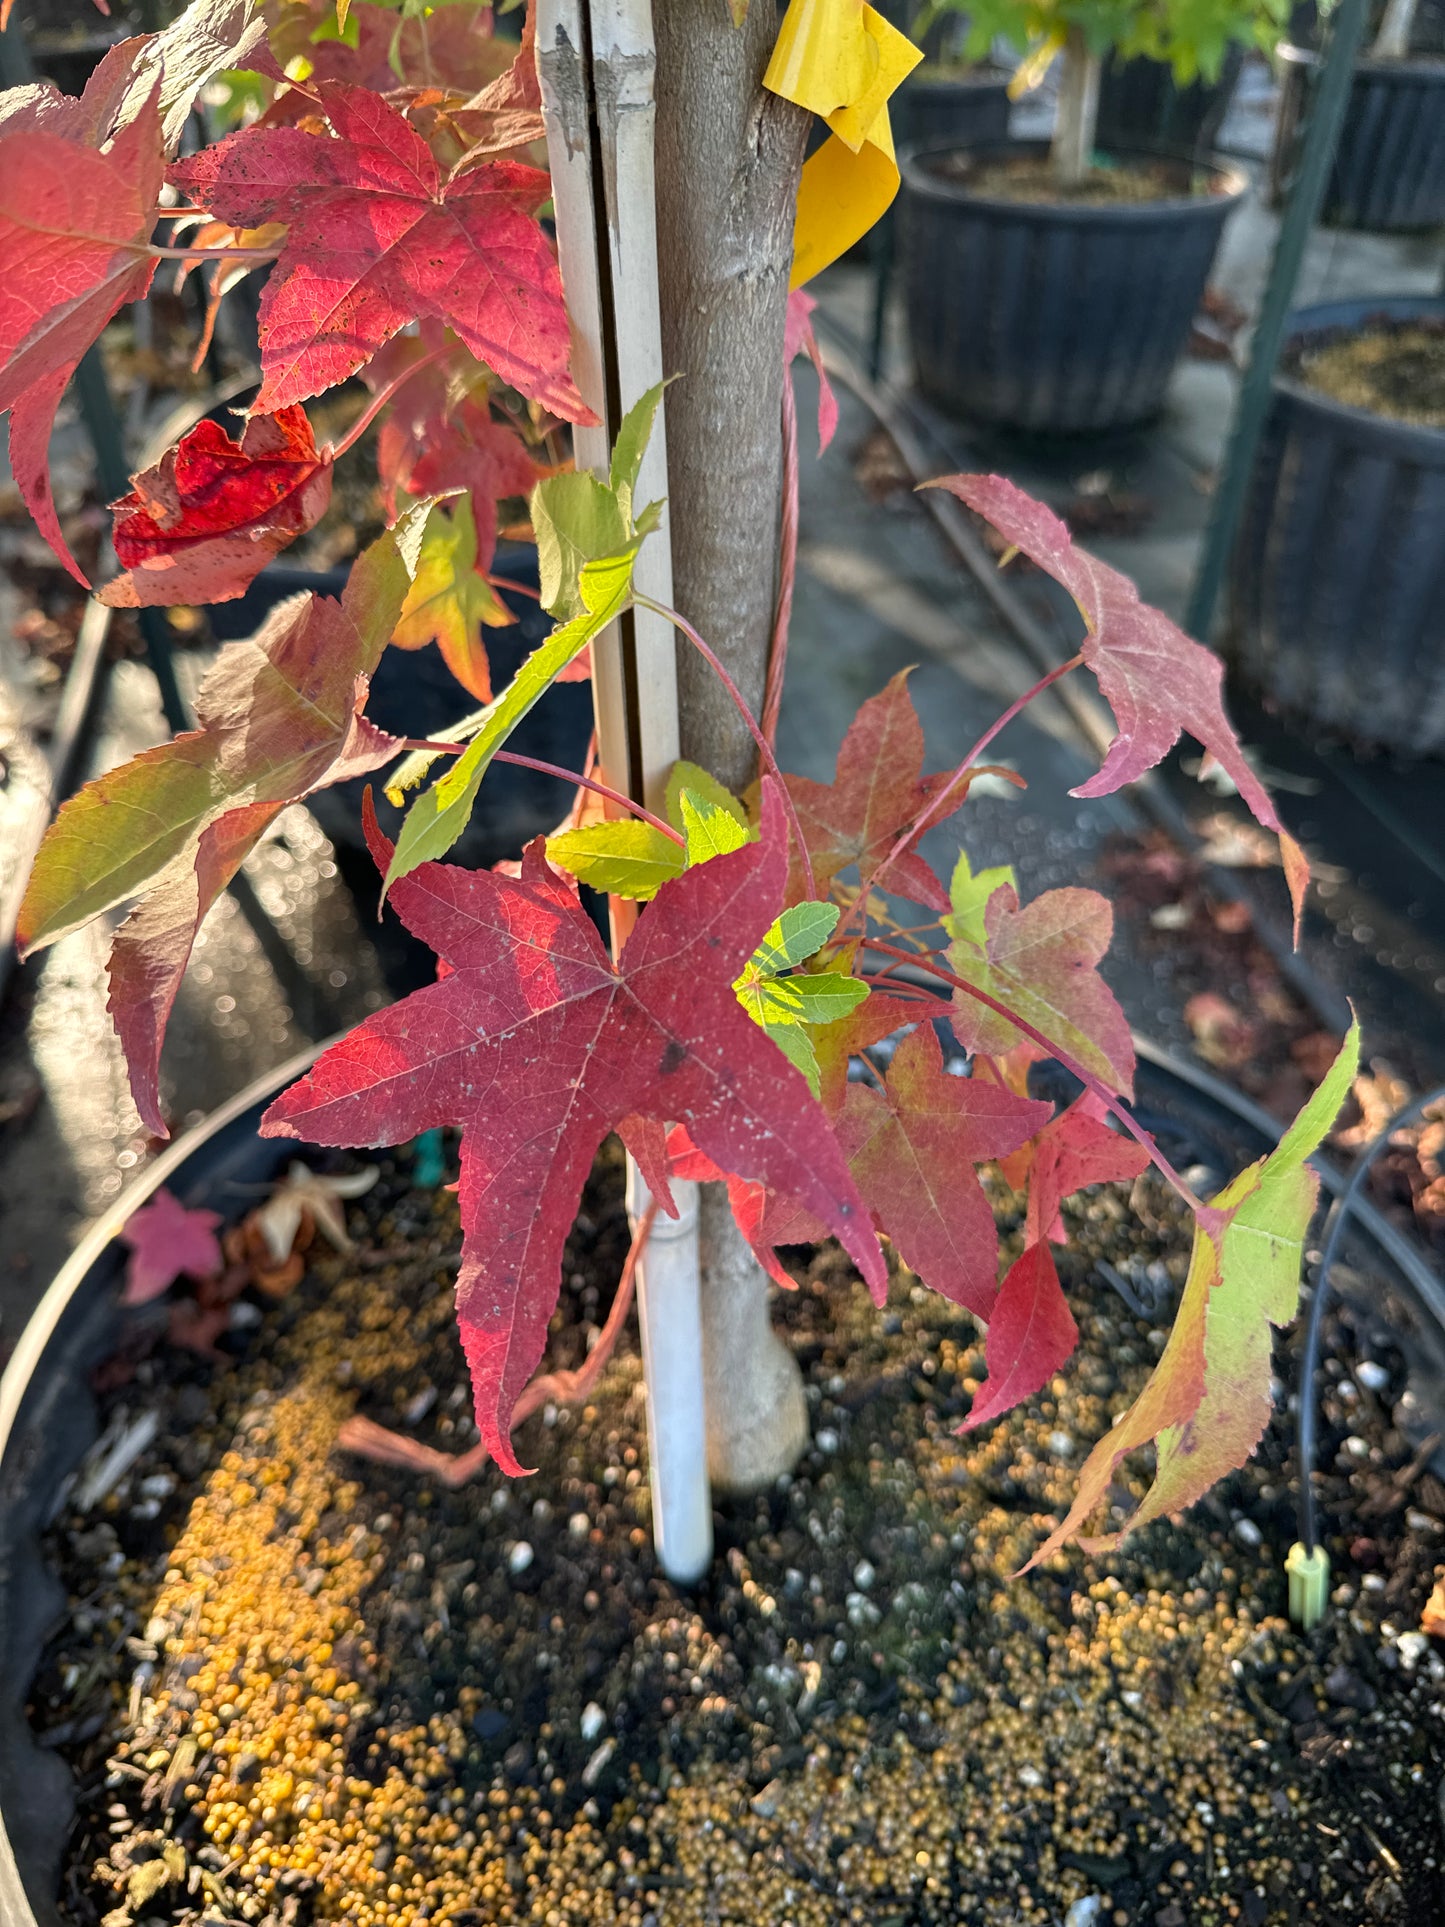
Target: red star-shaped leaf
{"x":1031,"y":1335}
{"x":439,"y":434}
{"x":166,"y":1242}
{"x":1074,"y":1149}
{"x":213,"y":512}
{"x":75,"y":226}
{"x":1158,"y":683}
{"x":912,"y":1150}
{"x":876,"y":793}
{"x":538,"y":1045}
{"x":379,"y":239}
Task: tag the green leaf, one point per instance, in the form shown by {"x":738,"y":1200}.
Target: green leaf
{"x":787,"y":1007}
{"x":710,"y":829}
{"x":631,"y":444}
{"x":440,"y":814}
{"x":822,"y":996}
{"x":1207,"y":1404}
{"x":576,"y":519}
{"x":690,"y":776}
{"x":969,"y":895}
{"x":626,"y":858}
{"x":794,"y":936}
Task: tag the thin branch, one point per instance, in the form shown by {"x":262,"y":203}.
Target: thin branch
{"x":787,"y":564}
{"x":368,"y":1440}
{"x":566,"y":775}
{"x":213,"y":254}
{"x":765,"y":748}
{"x":933,"y":811}
{"x":369,"y":414}
{"x":1116,"y":1109}
{"x":514,"y":588}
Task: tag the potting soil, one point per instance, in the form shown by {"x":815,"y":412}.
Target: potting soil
{"x":304,"y":1688}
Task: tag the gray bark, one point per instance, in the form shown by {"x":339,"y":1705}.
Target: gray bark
{"x":728,"y":159}
{"x":1393,"y":40}
{"x":1077,"y":124}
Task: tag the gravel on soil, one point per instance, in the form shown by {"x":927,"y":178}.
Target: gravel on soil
{"x":297,"y":1688}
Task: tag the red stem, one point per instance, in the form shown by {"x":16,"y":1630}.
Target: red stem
{"x":368,"y":1440}
{"x":932,"y":811}
{"x":516,"y":588}
{"x":1087,"y":1078}
{"x":787,"y":564}
{"x":765,"y":748}
{"x":369,"y":414}
{"x":567,"y":776}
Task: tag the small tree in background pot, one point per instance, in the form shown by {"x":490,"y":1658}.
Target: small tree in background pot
{"x":1192,"y":37}
{"x":1046,"y":292}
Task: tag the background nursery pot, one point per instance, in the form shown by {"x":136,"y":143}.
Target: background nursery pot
{"x":1389,"y":169}
{"x":1141,"y":104}
{"x":1341,"y":542}
{"x":935,"y":104}
{"x":1052,"y":317}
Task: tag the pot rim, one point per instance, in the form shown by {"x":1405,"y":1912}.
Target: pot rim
{"x":1345,"y":317}
{"x":40,"y":1327}
{"x":1233,"y":184}
{"x":1422,"y":67}
{"x":982,"y":77}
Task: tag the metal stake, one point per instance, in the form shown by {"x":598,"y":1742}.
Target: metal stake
{"x":1301,"y":211}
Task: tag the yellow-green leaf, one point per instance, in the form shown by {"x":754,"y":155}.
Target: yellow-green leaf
{"x":710,"y":829}
{"x":794,"y":936}
{"x":576,"y":519}
{"x":631,"y":444}
{"x":449,"y":602}
{"x":626,"y":858}
{"x":440,"y":814}
{"x":1207,"y":1404}
{"x":969,"y":894}
{"x":689,"y":776}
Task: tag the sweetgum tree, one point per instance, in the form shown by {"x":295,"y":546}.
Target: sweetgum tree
{"x":1192,"y":36}
{"x":390,"y":183}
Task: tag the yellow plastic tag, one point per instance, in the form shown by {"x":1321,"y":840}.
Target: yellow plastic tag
{"x":842,"y":61}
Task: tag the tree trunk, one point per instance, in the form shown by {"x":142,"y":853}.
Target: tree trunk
{"x":728,"y":160}
{"x":1076,"y":128}
{"x":1392,"y":42}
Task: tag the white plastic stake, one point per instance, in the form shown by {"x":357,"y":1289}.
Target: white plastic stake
{"x":597,"y":61}
{"x":669,"y":1315}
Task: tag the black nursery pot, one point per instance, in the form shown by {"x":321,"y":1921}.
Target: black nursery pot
{"x":1049,"y":317}
{"x":1141,"y":104}
{"x":47,"y":1424}
{"x":1389,"y":168}
{"x":1337,"y":583}
{"x":969,"y":108}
